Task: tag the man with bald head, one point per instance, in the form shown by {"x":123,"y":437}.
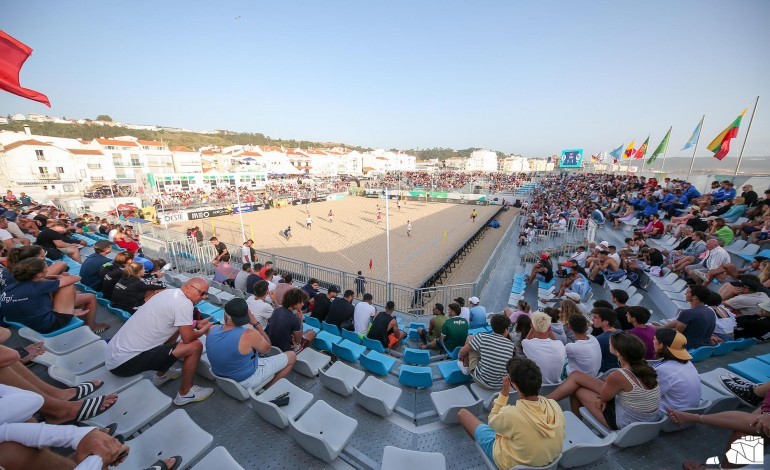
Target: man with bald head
{"x":148,"y":340}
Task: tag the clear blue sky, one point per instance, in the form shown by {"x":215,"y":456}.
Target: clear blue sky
{"x":525,"y":77}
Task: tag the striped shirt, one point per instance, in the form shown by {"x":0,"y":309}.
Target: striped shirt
{"x":716,"y":258}
{"x":495,"y":351}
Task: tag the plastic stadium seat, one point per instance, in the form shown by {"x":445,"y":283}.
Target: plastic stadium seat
{"x":103,"y":302}
{"x":329,"y":328}
{"x":175,"y":434}
{"x":120,"y":313}
{"x":702,"y":353}
{"x":74,"y":323}
{"x":451,"y":373}
{"x":312,"y":321}
{"x":204,"y":368}
{"x":64,"y":343}
{"x":419,"y":357}
{"x":377,"y":396}
{"x":310,"y":361}
{"x":236,"y":390}
{"x":745,"y":343}
{"x":341,"y":378}
{"x":670,"y":426}
{"x":373,"y":344}
{"x":581,"y":446}
{"x":764,"y":358}
{"x":718,"y":401}
{"x":299,"y":401}
{"x":546,"y":285}
{"x":207,"y":309}
{"x":677,"y":286}
{"x":348,"y":350}
{"x":634,"y":300}
{"x":752,"y":369}
{"x":632,"y":435}
{"x":377,"y":363}
{"x":488,"y":396}
{"x":725,"y":347}
{"x":737,"y":245}
{"x":448,"y":402}
{"x":750,"y":258}
{"x":351,"y":336}
{"x":491,"y":465}
{"x":112,"y":383}
{"x":136,"y":406}
{"x":306,"y":327}
{"x":455,"y":353}
{"x":394,"y":458}
{"x":218,"y":459}
{"x":323,"y":431}
{"x":324,"y":341}
{"x":78,"y":361}
{"x":413,"y":376}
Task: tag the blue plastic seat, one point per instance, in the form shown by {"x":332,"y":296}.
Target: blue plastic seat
{"x":324,"y":341}
{"x":725,"y":347}
{"x":348,"y":350}
{"x":452,"y":374}
{"x":74,"y":323}
{"x":84,"y":288}
{"x":306,"y":327}
{"x":702,"y":353}
{"x":103,"y":302}
{"x":312,"y":321}
{"x":546,"y":285}
{"x":373,"y":344}
{"x":333,"y":329}
{"x":413,"y":328}
{"x":414,"y":376}
{"x":377,"y":363}
{"x":207,"y":309}
{"x":419,"y":357}
{"x":752,"y":369}
{"x":764,"y":358}
{"x":454,"y":354}
{"x":120,"y":313}
{"x":351,"y":336}
{"x":745,"y":343}
{"x":477,"y":330}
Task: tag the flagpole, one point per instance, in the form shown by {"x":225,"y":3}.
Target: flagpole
{"x":665,"y":151}
{"x":387,"y":232}
{"x":240,"y":209}
{"x":645,"y":150}
{"x":743,"y":147}
{"x":692,"y":162}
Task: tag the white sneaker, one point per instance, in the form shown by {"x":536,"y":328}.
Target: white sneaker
{"x":196,"y":393}
{"x":462,"y":367}
{"x":171,"y":374}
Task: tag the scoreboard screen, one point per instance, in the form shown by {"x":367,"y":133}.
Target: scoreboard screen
{"x":571,"y":158}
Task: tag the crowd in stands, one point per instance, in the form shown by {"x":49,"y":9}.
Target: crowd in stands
{"x":449,"y":180}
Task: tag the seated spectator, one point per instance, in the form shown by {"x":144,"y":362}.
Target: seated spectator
{"x":724,"y":328}
{"x":619,"y":298}
{"x":630,"y":394}
{"x":730,"y":272}
{"x":148,"y":341}
{"x":253,"y":278}
{"x":112,"y":273}
{"x":385,"y":327}
{"x":89,"y":270}
{"x":574,"y":298}
{"x":285,"y":326}
{"x":341,"y":311}
{"x":454,"y":331}
{"x":55,"y":242}
{"x":311,"y":289}
{"x":243,"y":275}
{"x":584,"y":354}
{"x":283,"y":286}
{"x":131,"y":291}
{"x":233,"y":349}
{"x":478,"y":313}
{"x":522,"y":308}
{"x":678,"y":378}
{"x":258,"y":306}
{"x":434,"y":328}
{"x":542,"y":270}
{"x":558,"y":329}
{"x":747,"y":296}
{"x":486,"y":355}
{"x":754,"y":326}
{"x":363,"y":313}
{"x":680,"y":259}
{"x":604,"y":319}
{"x":124,"y":239}
{"x":638,"y":317}
{"x":465,"y":312}
{"x":710,"y":260}
{"x":520,"y":332}
{"x":719,"y":229}
{"x":322,"y":302}
{"x":531,"y":432}
{"x":46,"y":302}
{"x":18,"y":255}
{"x":225,"y":272}
{"x":548,"y":353}
{"x":697,"y":322}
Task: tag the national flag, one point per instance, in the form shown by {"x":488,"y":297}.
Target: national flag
{"x":629,"y":150}
{"x":721,"y":143}
{"x":643,"y":149}
{"x":13,"y":54}
{"x":370,"y":264}
{"x":695,"y":135}
{"x":661,"y":148}
{"x":617,"y":153}
{"x":594,"y":158}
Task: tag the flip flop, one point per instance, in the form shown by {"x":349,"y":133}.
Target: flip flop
{"x":161,"y":465}
{"x":91,"y":408}
{"x":84,"y":389}
{"x":101,"y":329}
{"x":110,"y":429}
{"x":673,"y":417}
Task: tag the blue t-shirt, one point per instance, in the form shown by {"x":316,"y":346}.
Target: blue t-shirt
{"x":700,"y":323}
{"x":6,"y":278}
{"x":89,"y":270}
{"x":478,"y":316}
{"x":30,"y":304}
{"x":282,"y":325}
{"x":609,"y":360}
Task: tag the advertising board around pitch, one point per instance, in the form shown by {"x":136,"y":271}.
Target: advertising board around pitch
{"x":572,"y":158}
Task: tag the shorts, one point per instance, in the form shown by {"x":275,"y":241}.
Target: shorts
{"x":392,"y":341}
{"x":267,"y":366}
{"x":540,"y":277}
{"x":485,"y":438}
{"x":609,"y":415}
{"x":60,"y":321}
{"x":158,"y":359}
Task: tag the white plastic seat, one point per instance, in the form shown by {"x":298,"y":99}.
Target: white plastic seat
{"x":670,"y":426}
{"x":322,"y":431}
{"x":677,"y":286}
{"x":377,"y":396}
{"x":723,"y":399}
{"x":236,"y":390}
{"x":299,"y":401}
{"x":341,"y":378}
{"x":79,"y":361}
{"x":581,"y":446}
{"x":634,"y":300}
{"x":395,"y":458}
{"x":491,"y":465}
{"x":204,"y":368}
{"x":218,"y":459}
{"x":176,"y":434}
{"x":136,"y":406}
{"x":632,"y":435}
{"x":112,"y":383}
{"x":669,"y":278}
{"x":737,"y":245}
{"x":310,"y":361}
{"x":449,"y":402}
{"x":64,"y":343}
{"x":485,"y":395}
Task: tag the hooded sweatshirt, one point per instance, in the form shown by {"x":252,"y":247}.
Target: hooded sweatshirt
{"x":527,"y":433}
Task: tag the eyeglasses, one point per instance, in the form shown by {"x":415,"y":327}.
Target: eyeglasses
{"x":203,"y":293}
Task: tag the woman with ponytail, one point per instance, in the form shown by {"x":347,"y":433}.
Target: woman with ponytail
{"x":18,"y":255}
{"x":131,"y":291}
{"x":630,"y":394}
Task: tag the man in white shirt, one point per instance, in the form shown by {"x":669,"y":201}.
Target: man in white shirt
{"x":465,"y":312}
{"x":148,"y":340}
{"x":240,"y":279}
{"x":715,"y":257}
{"x":258,"y":306}
{"x":246,"y":252}
{"x":547,"y":353}
{"x":584,"y":354}
{"x":363,"y":313}
{"x":111,"y":234}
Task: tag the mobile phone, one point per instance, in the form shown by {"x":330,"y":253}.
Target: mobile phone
{"x":283,"y":395}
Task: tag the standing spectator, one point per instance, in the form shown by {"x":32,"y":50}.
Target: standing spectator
{"x":248,"y":253}
{"x":363,"y":313}
{"x":222,"y":253}
{"x":548,"y":354}
{"x":360,"y":284}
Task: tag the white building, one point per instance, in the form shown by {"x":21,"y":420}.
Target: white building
{"x":382,"y":161}
{"x":514,"y":164}
{"x":482,"y":160}
{"x":185,"y":160}
{"x":206,"y":181}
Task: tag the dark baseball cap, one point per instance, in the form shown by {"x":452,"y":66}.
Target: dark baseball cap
{"x":333,"y":288}
{"x":238,"y":311}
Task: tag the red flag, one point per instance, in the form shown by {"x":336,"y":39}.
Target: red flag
{"x":370,"y":264}
{"x":13,"y":54}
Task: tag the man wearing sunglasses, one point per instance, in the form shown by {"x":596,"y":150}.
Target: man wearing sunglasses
{"x":148,"y":340}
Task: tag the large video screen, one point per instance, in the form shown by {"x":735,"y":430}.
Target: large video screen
{"x":571,"y":158}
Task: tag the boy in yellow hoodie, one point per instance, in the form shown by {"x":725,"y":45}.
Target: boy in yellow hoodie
{"x":531,"y":432}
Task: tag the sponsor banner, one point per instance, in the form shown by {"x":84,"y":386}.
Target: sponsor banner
{"x":172,"y":216}
{"x":320,"y":198}
{"x":205,"y":214}
{"x":335,"y":196}
{"x":243,"y":208}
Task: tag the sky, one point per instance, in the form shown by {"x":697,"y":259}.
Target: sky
{"x":523,"y":77}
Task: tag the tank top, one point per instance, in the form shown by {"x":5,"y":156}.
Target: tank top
{"x":226,"y":360}
{"x":379,"y":328}
{"x":638,"y":405}
{"x":438,"y":322}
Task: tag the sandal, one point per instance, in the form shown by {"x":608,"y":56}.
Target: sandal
{"x":161,"y":465}
{"x":84,"y":390}
{"x":101,"y":328}
{"x":673,"y":417}
{"x":110,"y":429}
{"x":91,"y":408}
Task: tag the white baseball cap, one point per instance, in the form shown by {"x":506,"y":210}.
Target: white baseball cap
{"x":572,"y":296}
{"x":473,"y":300}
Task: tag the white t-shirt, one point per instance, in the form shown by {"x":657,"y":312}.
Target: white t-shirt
{"x":261,"y":310}
{"x":679,"y":385}
{"x":111,"y":235}
{"x":549,"y":355}
{"x":5,"y":234}
{"x":615,"y":256}
{"x":361,"y":316}
{"x":465,"y":312}
{"x":584,"y":355}
{"x":245,"y":254}
{"x":152,"y":325}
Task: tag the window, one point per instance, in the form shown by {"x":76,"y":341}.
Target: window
{"x":135,"y":161}
{"x":111,"y":147}
{"x":82,"y":173}
{"x":39,"y":154}
{"x":60,"y":169}
{"x":43,"y":170}
{"x":68,"y":188}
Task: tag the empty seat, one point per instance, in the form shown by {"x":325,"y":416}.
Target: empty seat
{"x":395,"y":458}
{"x":486,"y":396}
{"x":635,"y":300}
{"x":75,"y":322}
{"x":310,"y":361}
{"x":63,"y":343}
{"x":377,"y":396}
{"x":373,"y":344}
{"x":454,"y":354}
{"x":176,"y":434}
{"x":207,"y":309}
{"x":236,"y":390}
{"x":323,"y":431}
{"x":718,"y":401}
{"x":333,"y":329}
{"x":764,"y":358}
{"x":324,"y":341}
{"x":351,"y":336}
{"x":341,"y":378}
{"x":725,"y":347}
{"x":737,"y":245}
{"x":79,"y":361}
{"x":377,"y":363}
{"x":752,"y":369}
{"x":299,"y":401}
{"x":744,"y":343}
{"x":418,"y":357}
{"x":112,"y":383}
{"x":136,"y":406}
{"x":702,"y":353}
{"x":312,"y":321}
{"x":204,"y":368}
{"x":632,"y":435}
{"x":581,"y":446}
{"x":414,"y":376}
{"x":451,"y":373}
{"x":448,"y":402}
{"x":348,"y":350}
{"x":218,"y":459}
{"x":677,"y":286}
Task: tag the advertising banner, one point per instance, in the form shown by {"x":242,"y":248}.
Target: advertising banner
{"x":205,"y":214}
{"x":169,"y":217}
{"x":243,"y":208}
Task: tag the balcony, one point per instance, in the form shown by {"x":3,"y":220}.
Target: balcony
{"x":49,"y":176}
{"x":94,"y":166}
